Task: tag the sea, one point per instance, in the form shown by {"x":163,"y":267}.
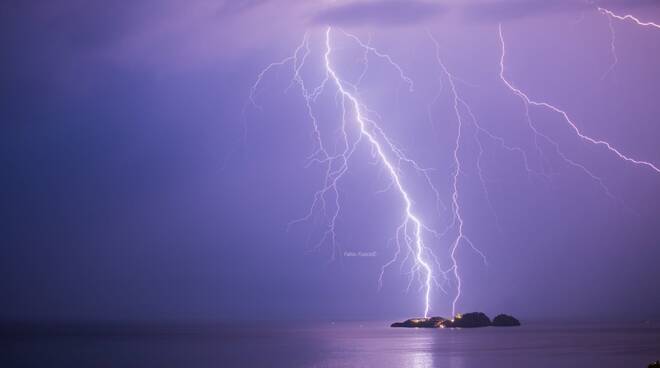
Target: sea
{"x":327,"y":344}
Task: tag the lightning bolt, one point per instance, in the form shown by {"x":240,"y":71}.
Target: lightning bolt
{"x":458,"y":104}
{"x":615,"y":57}
{"x":629,"y":17}
{"x":410,"y":217}
{"x":361,"y":125}
{"x":411,"y":232}
{"x":566,"y":118}
{"x":610,"y":17}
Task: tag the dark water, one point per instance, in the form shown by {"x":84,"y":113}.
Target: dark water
{"x":351,"y":344}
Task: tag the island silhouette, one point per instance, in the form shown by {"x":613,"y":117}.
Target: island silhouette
{"x":467,"y":320}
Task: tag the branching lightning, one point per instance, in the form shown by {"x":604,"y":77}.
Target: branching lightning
{"x":529,"y":102}
{"x":615,"y":57}
{"x":610,"y":17}
{"x":360,"y":125}
{"x":410,"y":233}
{"x":410,"y":217}
{"x":458,"y":104}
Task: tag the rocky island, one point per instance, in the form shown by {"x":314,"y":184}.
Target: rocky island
{"x":467,"y":320}
{"x":505,"y":320}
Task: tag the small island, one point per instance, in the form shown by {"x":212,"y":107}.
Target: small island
{"x":467,"y":320}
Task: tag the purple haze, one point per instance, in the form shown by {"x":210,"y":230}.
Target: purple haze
{"x":136,"y":186}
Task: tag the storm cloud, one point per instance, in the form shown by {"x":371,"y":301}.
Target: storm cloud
{"x":400,"y":13}
{"x":516,"y":9}
{"x":380,"y":13}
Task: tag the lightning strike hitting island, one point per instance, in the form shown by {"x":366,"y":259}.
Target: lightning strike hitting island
{"x":359,"y":125}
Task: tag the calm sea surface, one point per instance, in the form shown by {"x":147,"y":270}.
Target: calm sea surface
{"x":342,"y":344}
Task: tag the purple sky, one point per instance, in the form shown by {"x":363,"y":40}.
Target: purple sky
{"x":137,"y":187}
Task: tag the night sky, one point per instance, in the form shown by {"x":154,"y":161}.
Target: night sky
{"x":139,"y":184}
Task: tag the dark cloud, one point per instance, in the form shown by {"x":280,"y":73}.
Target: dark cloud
{"x":627,"y":3}
{"x":380,"y":12}
{"x":504,"y":10}
{"x":513,"y":9}
{"x":233,"y":7}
